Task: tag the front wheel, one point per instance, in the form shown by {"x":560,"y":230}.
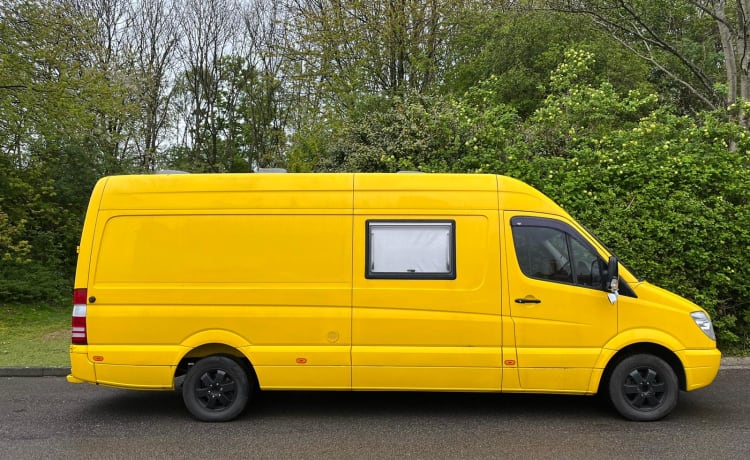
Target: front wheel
{"x":216,"y":389}
{"x":643,"y":388}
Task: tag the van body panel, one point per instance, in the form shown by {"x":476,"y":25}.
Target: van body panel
{"x":406,"y":330}
{"x":516,"y":195}
{"x":80,"y":363}
{"x":242,"y":261}
{"x":273,"y":193}
{"x":232,"y":250}
{"x":426,"y":378}
{"x":414,"y":356}
{"x":303,"y":377}
{"x":135,"y":355}
{"x":665,"y":312}
{"x":700,"y":368}
{"x":642,"y":335}
{"x":86,"y":247}
{"x":138,"y":377}
{"x":561,"y":380}
{"x":388,"y":193}
{"x":293,"y":355}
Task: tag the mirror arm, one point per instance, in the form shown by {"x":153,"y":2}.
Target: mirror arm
{"x":613,"y":279}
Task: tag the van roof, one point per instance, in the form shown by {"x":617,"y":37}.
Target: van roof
{"x":236,"y":191}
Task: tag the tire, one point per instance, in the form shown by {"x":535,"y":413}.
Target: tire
{"x":216,"y":389}
{"x":643,"y":388}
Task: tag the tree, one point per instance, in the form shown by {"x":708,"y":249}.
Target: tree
{"x":209,"y":29}
{"x":47,"y":82}
{"x":153,"y":36}
{"x":688,"y":42}
{"x":346,"y":49}
{"x":110,"y":54}
{"x":258,"y":98}
{"x":521,"y":46}
{"x":252,"y":114}
{"x":52,"y":94}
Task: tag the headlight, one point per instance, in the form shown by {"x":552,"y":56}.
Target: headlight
{"x":704,"y":322}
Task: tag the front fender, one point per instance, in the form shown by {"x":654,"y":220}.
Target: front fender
{"x":628,"y":338}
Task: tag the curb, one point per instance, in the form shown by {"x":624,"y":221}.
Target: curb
{"x":34,"y":371}
{"x":726,"y":364}
{"x":735,"y":363}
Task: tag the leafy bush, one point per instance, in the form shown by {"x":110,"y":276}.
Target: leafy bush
{"x":34,"y":283}
{"x":669,"y":194}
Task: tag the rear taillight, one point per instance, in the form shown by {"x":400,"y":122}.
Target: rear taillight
{"x":78,"y":332}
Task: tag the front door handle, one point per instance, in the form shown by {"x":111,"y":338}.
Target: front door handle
{"x":528,"y":300}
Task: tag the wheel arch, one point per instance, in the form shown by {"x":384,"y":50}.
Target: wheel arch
{"x":644,"y":348}
{"x":206,"y":350}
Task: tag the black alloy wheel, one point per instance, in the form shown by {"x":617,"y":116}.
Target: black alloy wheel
{"x":216,"y":389}
{"x":643,"y":388}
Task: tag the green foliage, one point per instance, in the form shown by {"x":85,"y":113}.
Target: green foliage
{"x":412,"y":85}
{"x":420,"y":133}
{"x":35,"y":282}
{"x":670,"y":194}
{"x":12,"y":248}
{"x":310,"y":149}
{"x":235,"y":126}
{"x":55,"y":109}
{"x":578,"y":108}
{"x":363,"y":47}
{"x":47,"y":204}
{"x":393,"y":133}
{"x":521,"y":47}
{"x":680,"y":40}
{"x":50,"y":89}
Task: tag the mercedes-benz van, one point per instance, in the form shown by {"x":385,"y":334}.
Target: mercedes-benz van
{"x":224,"y":284}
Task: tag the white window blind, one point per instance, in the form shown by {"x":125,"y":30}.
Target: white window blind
{"x":411,"y":248}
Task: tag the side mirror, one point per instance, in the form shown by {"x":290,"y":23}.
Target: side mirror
{"x":613,"y":276}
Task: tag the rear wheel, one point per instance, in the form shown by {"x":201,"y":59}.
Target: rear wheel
{"x":216,"y":389}
{"x":643,"y":388}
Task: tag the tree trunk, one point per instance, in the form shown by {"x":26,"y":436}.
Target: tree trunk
{"x":727,"y":45}
{"x":743,"y":45}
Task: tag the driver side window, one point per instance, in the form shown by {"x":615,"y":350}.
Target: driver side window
{"x":554,"y":253}
{"x":543,"y":253}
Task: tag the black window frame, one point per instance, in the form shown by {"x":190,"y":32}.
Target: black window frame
{"x":570,"y":233}
{"x":452,"y":274}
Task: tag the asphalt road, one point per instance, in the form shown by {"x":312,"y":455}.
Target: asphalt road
{"x":46,"y":417}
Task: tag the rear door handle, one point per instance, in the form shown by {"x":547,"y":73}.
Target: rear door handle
{"x":528,"y":300}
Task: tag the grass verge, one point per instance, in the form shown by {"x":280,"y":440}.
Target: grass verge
{"x":34,"y":336}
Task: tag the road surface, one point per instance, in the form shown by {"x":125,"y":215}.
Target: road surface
{"x":46,"y":417}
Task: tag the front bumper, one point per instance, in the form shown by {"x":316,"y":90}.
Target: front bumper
{"x":701,"y":367}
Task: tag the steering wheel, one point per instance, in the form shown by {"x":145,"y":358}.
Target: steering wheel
{"x":565,"y":269}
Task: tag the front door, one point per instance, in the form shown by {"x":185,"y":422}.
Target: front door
{"x":561,"y":314}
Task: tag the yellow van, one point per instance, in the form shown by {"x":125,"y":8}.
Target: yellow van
{"x":224,"y":284}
